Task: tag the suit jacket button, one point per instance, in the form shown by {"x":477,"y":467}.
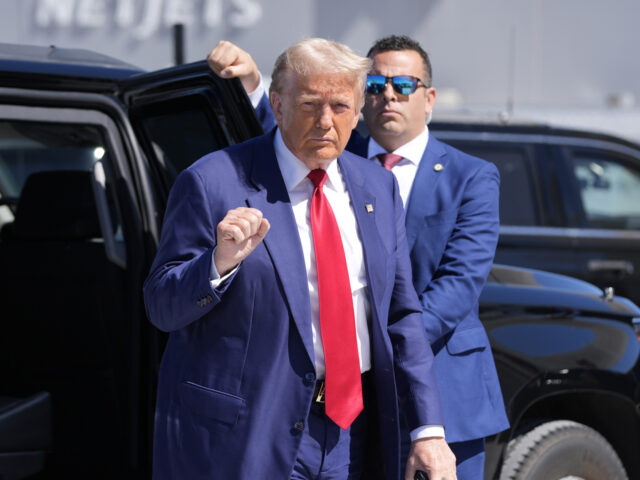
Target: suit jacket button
{"x":309,"y":378}
{"x":299,"y":426}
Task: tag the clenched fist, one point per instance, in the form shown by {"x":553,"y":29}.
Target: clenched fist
{"x":228,"y":60}
{"x":238,"y":233}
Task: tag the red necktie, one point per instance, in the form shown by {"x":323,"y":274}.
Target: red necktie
{"x":343,"y":394}
{"x":389,"y":160}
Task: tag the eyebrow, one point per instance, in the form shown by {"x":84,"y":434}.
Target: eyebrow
{"x":305,"y":97}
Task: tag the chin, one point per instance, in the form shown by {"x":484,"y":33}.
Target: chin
{"x":321,"y":157}
{"x":386,"y":129}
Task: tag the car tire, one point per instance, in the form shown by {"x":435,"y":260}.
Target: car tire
{"x":561,"y":450}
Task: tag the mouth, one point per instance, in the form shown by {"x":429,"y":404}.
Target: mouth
{"x":388,"y":113}
{"x":322,"y":140}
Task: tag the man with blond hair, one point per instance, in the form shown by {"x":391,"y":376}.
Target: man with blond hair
{"x":451,"y":203}
{"x":284,"y":280}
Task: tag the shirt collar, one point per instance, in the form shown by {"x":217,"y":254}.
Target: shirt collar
{"x":294,"y":171}
{"x":411,"y":151}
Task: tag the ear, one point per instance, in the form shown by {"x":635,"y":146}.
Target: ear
{"x":276,"y":105}
{"x":430,"y":100}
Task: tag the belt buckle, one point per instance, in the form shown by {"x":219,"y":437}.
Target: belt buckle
{"x":320,"y":395}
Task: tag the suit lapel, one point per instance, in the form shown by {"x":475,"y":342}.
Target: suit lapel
{"x":425,"y":182}
{"x":364,"y":208}
{"x":282,"y":242}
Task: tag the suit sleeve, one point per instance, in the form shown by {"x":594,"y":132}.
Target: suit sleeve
{"x":456,"y":284}
{"x":413,"y":359}
{"x":178,"y":290}
{"x":265,"y":114}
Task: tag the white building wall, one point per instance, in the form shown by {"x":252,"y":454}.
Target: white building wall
{"x":530,"y":54}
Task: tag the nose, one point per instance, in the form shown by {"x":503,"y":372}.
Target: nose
{"x":389,"y":93}
{"x":325,"y":117}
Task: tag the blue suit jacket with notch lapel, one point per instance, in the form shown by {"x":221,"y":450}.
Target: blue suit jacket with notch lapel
{"x":237,"y":374}
{"x":452,"y":229}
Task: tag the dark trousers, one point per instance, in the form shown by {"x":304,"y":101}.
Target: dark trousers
{"x":469,"y":459}
{"x":329,"y":453}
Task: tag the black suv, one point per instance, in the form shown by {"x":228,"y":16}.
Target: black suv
{"x":89,"y":148}
{"x":570,"y":200}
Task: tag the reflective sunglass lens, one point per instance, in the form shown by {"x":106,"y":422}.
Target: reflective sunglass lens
{"x":375,"y":84}
{"x":404,"y":85}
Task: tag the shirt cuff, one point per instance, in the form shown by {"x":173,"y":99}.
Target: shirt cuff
{"x":427,"y":431}
{"x":214,"y":277}
{"x":257,"y":94}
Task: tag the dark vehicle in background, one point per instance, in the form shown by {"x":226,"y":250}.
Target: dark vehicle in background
{"x":567,"y":356}
{"x":89,"y":148}
{"x":570,"y":200}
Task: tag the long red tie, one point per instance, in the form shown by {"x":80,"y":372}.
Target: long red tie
{"x":389,"y":160}
{"x":343,"y":395}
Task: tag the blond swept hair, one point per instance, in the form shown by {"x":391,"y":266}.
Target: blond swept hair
{"x":318,"y":55}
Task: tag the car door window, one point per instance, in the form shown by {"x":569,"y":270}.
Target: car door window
{"x":609,"y":190}
{"x":179,"y":127}
{"x":28,"y":148}
{"x":179,"y":131}
{"x":518,"y":204}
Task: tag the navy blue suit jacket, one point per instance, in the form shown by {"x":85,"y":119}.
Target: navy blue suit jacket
{"x":237,"y":375}
{"x":452,"y":226}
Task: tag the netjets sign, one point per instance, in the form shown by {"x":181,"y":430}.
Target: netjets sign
{"x":144,"y":18}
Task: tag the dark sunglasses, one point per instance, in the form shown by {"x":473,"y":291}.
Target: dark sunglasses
{"x":403,"y":84}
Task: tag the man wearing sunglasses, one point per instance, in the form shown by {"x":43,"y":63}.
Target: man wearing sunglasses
{"x":451,"y":203}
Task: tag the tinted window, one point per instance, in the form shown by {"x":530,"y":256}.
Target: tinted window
{"x":517,"y":192}
{"x":181,"y":130}
{"x":609,"y":189}
{"x":30,"y":147}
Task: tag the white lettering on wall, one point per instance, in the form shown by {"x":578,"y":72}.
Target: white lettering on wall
{"x":55,"y":12}
{"x":150,"y":19}
{"x":180,"y":11}
{"x":247,"y":13}
{"x":145,"y":18}
{"x":212,"y":13}
{"x":91,"y":13}
{"x":125,"y":13}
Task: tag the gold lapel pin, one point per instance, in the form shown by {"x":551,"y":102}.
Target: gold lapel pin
{"x":438,"y":167}
{"x":369,"y":208}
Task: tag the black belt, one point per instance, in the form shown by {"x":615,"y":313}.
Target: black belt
{"x":319,"y":391}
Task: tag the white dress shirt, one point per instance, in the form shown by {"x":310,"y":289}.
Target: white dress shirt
{"x":405,"y":170}
{"x":300,"y":190}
